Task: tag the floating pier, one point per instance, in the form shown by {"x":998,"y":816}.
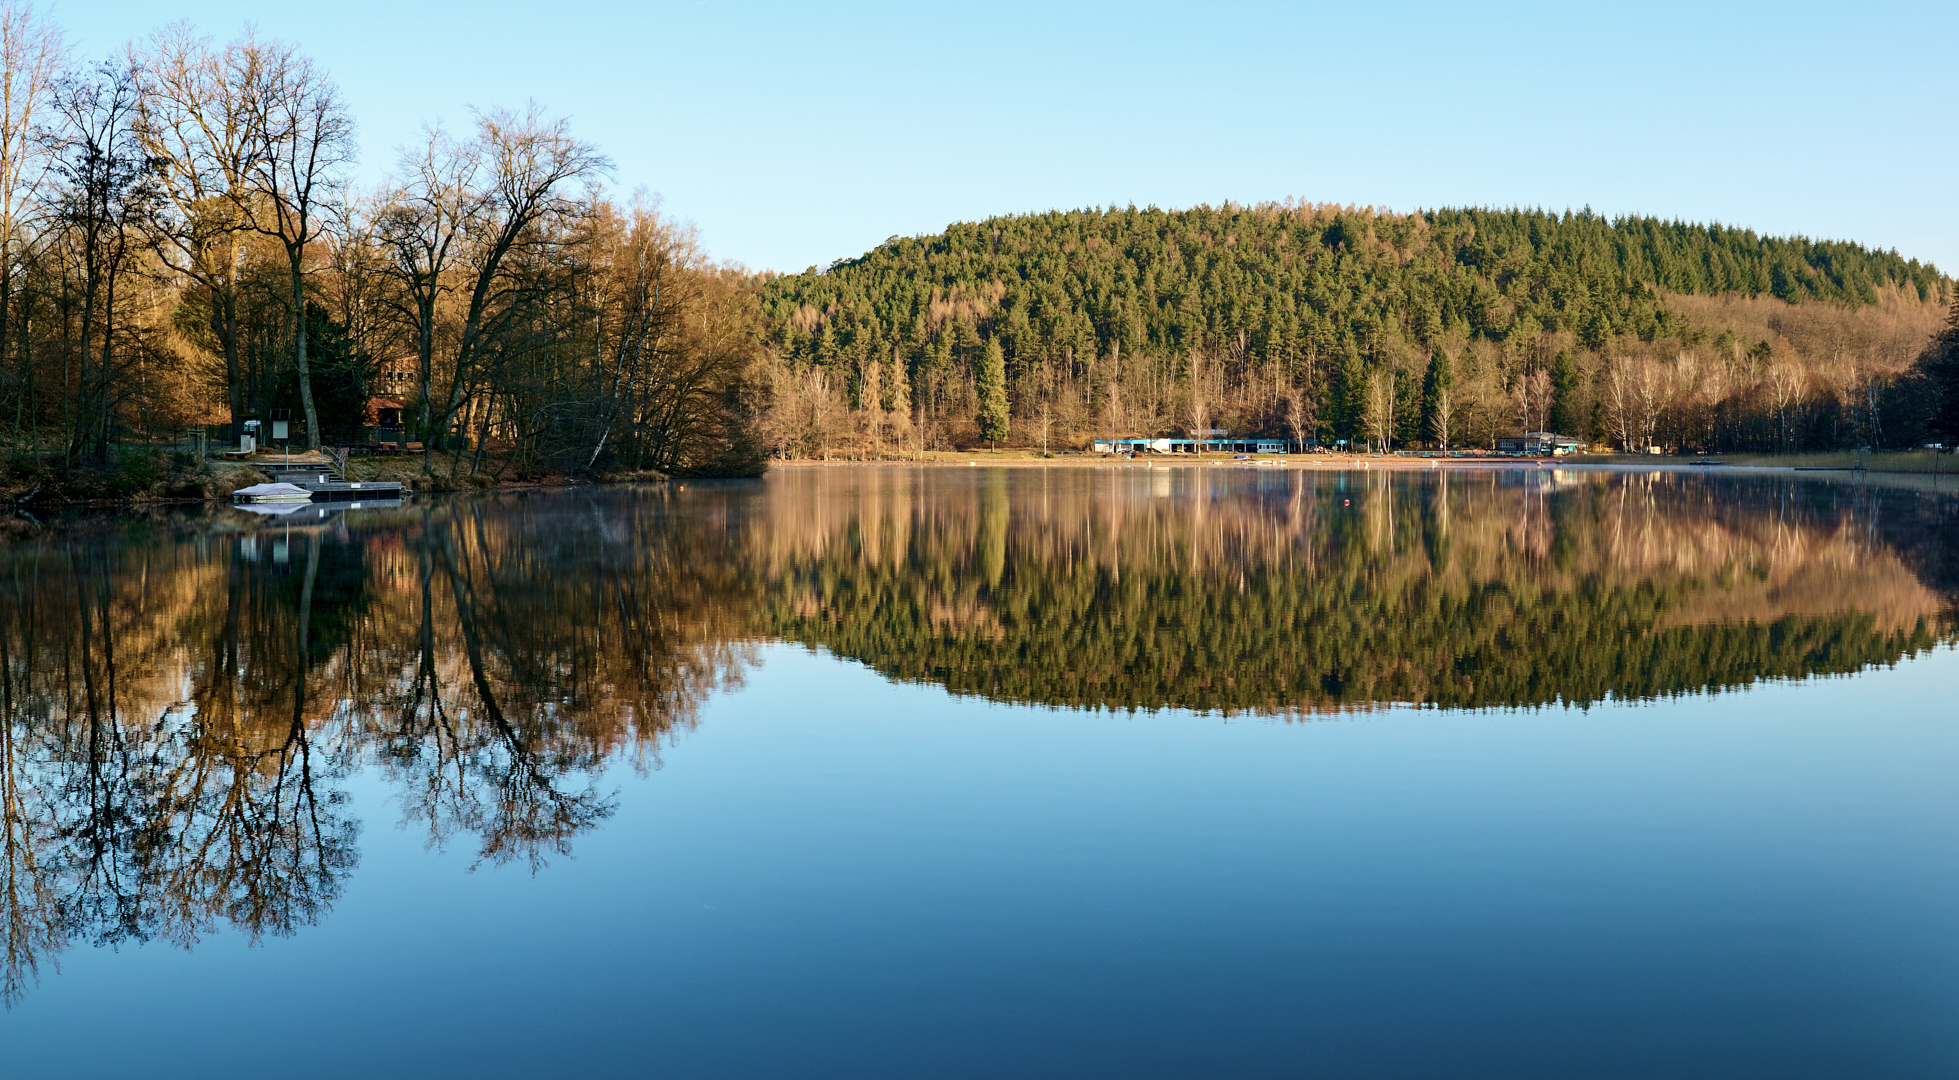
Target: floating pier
{"x":323,"y":482}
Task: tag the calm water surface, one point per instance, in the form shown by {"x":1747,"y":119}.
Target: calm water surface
{"x":890,"y":772}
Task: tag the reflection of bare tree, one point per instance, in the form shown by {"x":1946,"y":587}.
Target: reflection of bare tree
{"x":527,"y":680}
{"x":180,"y":714}
{"x":498,"y":780}
{"x":125,"y":819}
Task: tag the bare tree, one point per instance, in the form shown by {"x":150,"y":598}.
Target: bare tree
{"x":455,"y":218}
{"x":1379,"y":405}
{"x":1531,"y":393}
{"x":1784,"y":380}
{"x":1298,"y":416}
{"x":1202,"y":398}
{"x":645,"y":298}
{"x":870,"y":398}
{"x":899,"y":383}
{"x":31,"y":57}
{"x":108,"y":195}
{"x":200,"y":116}
{"x":309,"y":142}
{"x":1443,"y":410}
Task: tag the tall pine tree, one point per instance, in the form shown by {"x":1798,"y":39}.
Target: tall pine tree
{"x":991,"y":382}
{"x":1565,"y":416}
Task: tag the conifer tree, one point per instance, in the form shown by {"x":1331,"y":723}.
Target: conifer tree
{"x":1351,"y":405}
{"x":1941,"y":367}
{"x":992,"y":386}
{"x":1564,"y":416}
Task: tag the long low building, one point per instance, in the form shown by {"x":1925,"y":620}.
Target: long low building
{"x":1227,"y":445}
{"x":1540,"y":442}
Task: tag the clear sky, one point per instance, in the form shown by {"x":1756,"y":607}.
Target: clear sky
{"x":795,"y":134}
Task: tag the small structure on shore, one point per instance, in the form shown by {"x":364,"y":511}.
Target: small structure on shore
{"x":1540,"y":442}
{"x":1250,"y":444}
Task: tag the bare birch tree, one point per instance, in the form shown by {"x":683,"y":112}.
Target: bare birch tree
{"x":1784,"y":380}
{"x":1442,"y":410}
{"x":1379,"y":405}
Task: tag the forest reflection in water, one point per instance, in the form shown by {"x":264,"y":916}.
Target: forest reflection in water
{"x":186,"y":697}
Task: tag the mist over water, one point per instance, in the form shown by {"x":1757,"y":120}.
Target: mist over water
{"x":1032,"y":771}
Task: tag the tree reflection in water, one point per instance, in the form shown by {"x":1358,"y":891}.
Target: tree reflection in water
{"x":1239,"y":589}
{"x":186,"y":699}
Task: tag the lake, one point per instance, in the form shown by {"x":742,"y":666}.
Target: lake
{"x":968,"y":772}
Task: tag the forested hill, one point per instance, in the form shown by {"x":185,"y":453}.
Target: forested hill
{"x":1314,"y":299}
{"x":1086,"y":279}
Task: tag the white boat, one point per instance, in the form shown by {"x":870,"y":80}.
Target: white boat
{"x":280,"y":493}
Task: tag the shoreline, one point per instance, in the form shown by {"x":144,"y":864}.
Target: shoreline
{"x":1927,"y":480}
{"x":1337,"y":462}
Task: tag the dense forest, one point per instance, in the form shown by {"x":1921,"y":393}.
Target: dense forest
{"x":181,"y":248}
{"x":1341,"y":324}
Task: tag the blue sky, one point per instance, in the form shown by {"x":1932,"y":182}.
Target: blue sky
{"x":795,"y":134}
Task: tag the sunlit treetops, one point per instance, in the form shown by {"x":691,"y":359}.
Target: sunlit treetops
{"x":1289,"y":276}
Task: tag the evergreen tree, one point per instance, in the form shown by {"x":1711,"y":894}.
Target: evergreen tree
{"x":1350,"y":402}
{"x":992,"y":385}
{"x":1940,"y":366}
{"x":1565,"y":415}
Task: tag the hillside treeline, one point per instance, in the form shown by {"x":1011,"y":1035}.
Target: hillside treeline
{"x":1329,"y":324}
{"x":180,"y":246}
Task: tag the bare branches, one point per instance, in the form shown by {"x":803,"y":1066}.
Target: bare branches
{"x":460,"y":219}
{"x":32,"y":55}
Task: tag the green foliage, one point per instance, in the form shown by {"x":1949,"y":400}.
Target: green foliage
{"x":992,"y":386}
{"x":1564,"y":417}
{"x":342,"y":376}
{"x":1304,"y":287}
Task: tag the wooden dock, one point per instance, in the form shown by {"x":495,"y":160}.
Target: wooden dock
{"x":326,"y":484}
{"x":350,"y":491}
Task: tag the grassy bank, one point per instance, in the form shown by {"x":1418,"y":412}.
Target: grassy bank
{"x":127,"y":475}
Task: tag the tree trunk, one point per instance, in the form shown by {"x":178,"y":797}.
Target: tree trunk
{"x":299,"y":353}
{"x":225,"y":309}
